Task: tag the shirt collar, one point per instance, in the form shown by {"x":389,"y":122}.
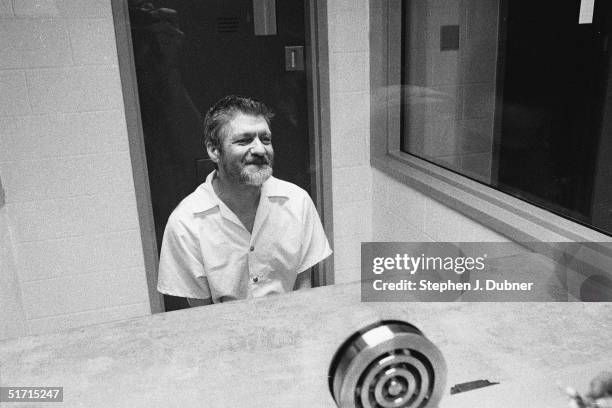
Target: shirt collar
{"x":207,"y":199}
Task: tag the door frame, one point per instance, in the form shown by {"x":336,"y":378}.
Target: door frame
{"x":319,"y":135}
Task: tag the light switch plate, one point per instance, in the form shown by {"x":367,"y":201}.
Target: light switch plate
{"x":294,"y":58}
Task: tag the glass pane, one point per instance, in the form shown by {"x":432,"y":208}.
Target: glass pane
{"x":189,"y":54}
{"x":514,"y":94}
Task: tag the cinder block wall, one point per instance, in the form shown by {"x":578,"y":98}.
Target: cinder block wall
{"x":70,"y":248}
{"x":349,"y":72}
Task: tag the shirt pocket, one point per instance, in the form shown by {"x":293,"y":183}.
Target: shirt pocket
{"x":224,"y":267}
{"x":227,"y":282}
{"x":283,"y":246}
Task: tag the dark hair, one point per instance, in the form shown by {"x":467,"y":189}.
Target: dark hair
{"x":224,"y":110}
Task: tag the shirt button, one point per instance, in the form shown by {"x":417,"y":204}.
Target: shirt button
{"x":252,"y":248}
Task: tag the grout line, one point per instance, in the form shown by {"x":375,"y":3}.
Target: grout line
{"x":17,"y":278}
{"x":60,"y":67}
{"x":69,"y":67}
{"x":95,"y":64}
{"x":38,"y":114}
{"x":58,"y":17}
{"x":340,"y":166}
{"x":65,"y":198}
{"x":77,"y":275}
{"x":363,"y":92}
{"x":361,"y":166}
{"x":105,"y":194}
{"x":361,"y":52}
{"x":68,"y":156}
{"x":85,"y":311}
{"x":27,"y":90}
{"x":69,"y":34}
{"x":349,"y":207}
{"x":97,"y":235}
{"x":72,"y":236}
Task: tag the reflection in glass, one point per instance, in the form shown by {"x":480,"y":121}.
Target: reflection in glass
{"x":513,"y":94}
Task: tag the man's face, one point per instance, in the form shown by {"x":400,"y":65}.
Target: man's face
{"x":246,"y":155}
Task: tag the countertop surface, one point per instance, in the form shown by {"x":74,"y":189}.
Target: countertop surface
{"x":276,"y":351}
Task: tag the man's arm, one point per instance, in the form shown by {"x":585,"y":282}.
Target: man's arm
{"x":181,"y":270}
{"x":315,"y":247}
{"x":303,"y":280}
{"x":199,"y":302}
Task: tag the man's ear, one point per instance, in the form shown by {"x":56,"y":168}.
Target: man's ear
{"x":213,"y":152}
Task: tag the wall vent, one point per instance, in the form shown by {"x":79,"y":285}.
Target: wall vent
{"x":228,"y":24}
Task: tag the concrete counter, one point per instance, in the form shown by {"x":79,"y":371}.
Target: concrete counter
{"x":275,"y":352}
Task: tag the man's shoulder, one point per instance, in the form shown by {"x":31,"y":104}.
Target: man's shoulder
{"x":286,"y":188}
{"x":195,"y":202}
{"x":293,"y":199}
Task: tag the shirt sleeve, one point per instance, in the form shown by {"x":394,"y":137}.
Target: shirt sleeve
{"x":181,"y":270}
{"x":315,"y":246}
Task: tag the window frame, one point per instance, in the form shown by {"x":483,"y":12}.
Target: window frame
{"x":318,"y":98}
{"x":514,"y":218}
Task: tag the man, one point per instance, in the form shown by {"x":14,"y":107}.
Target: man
{"x":242,"y":233}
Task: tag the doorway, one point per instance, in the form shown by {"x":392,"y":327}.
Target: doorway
{"x":189,"y":54}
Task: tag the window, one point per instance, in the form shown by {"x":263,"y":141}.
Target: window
{"x":499,"y":108}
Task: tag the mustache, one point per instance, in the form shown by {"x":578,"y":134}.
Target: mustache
{"x":260,"y":160}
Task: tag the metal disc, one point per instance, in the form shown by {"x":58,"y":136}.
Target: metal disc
{"x":388,"y":365}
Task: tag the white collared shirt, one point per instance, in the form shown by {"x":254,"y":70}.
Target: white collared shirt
{"x":208,"y":253}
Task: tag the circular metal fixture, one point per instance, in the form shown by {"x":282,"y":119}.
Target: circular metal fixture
{"x":389,"y":364}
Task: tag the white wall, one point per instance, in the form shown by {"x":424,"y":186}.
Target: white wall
{"x":350,"y":126}
{"x":405,"y":214}
{"x":368,"y":204}
{"x":70,"y":251}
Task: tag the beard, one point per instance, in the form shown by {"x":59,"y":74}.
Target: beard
{"x":253,"y":171}
{"x":256,"y":177}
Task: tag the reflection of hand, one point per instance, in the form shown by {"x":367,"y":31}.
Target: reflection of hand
{"x":169,"y":38}
{"x":160,"y":24}
{"x":599,"y":395}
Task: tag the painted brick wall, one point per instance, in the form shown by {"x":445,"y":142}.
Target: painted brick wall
{"x":368,"y":204}
{"x":70,"y":245}
{"x":350,"y":125}
{"x":408,"y":215}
